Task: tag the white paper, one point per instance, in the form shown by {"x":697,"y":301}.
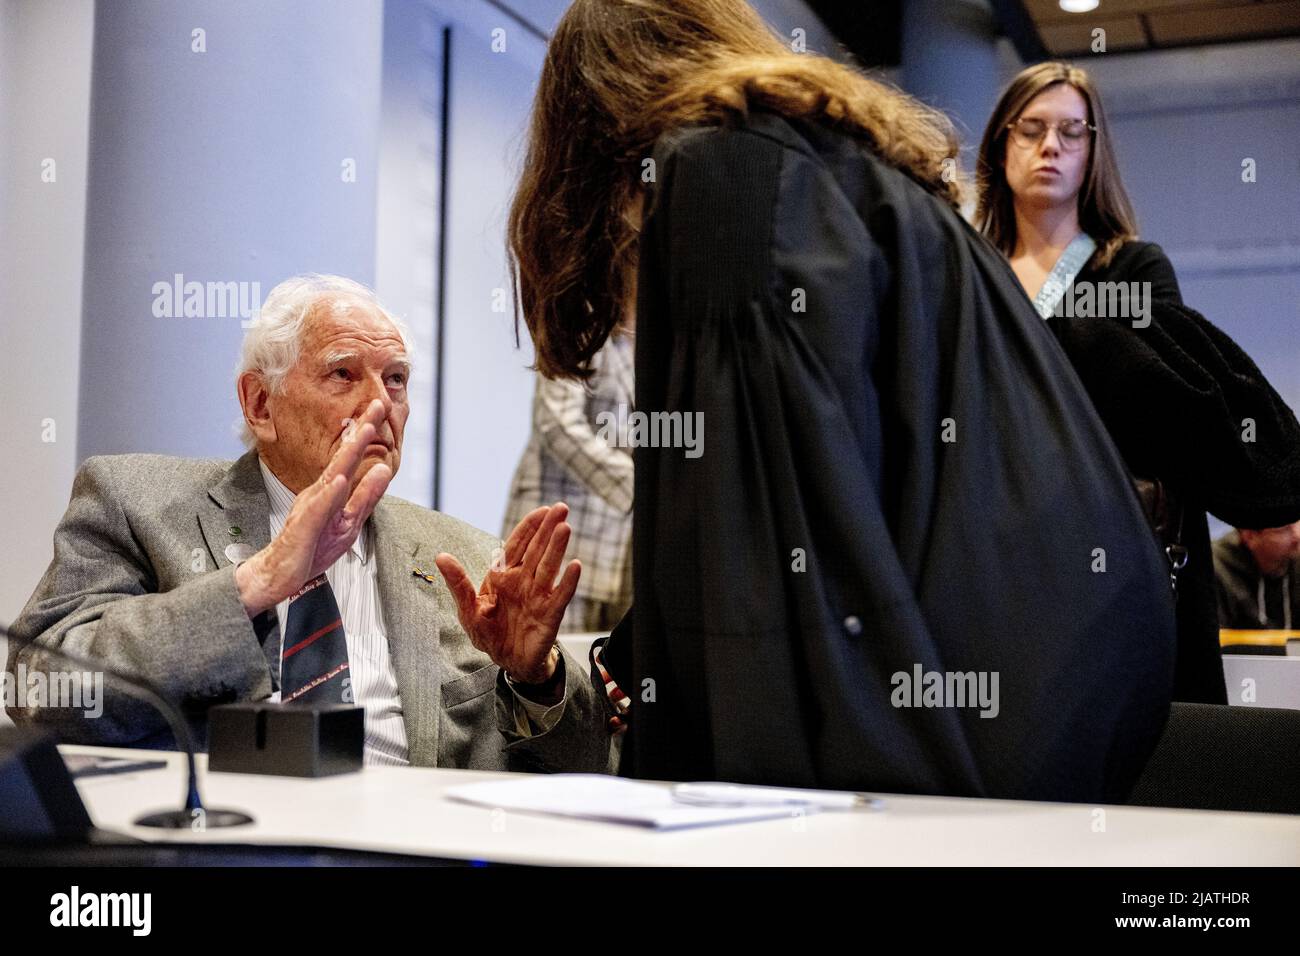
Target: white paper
{"x":607,"y":799}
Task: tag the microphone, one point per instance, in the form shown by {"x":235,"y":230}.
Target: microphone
{"x":193,"y":815}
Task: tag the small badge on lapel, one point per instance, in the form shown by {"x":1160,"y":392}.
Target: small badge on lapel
{"x":421,"y":573}
{"x":239,"y":552}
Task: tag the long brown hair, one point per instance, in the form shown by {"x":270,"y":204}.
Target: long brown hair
{"x":618,"y":74}
{"x":1105,"y":212}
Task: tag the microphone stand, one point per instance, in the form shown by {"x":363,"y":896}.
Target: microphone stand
{"x":193,"y":815}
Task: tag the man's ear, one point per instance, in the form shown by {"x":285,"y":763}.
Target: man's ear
{"x":254,"y":399}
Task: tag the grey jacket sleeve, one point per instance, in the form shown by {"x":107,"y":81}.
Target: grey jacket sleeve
{"x":194,"y":643}
{"x":578,"y":742}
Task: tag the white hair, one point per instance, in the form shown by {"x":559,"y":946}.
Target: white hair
{"x":273,"y":343}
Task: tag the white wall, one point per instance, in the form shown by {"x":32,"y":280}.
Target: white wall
{"x":407,"y":217}
{"x":246,"y":158}
{"x":1183,"y":123}
{"x":784,"y":16}
{"x":487,"y":388}
{"x":44,"y":108}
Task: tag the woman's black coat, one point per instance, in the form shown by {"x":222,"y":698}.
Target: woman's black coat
{"x":1186,"y":405}
{"x":901,"y":474}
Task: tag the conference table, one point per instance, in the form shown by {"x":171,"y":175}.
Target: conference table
{"x":1261,"y":668}
{"x":396,"y":810}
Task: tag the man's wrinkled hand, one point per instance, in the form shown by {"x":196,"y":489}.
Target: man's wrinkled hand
{"x":323,"y":523}
{"x":514,"y":617}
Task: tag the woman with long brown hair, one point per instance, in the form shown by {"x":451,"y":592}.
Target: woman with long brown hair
{"x":1196,"y":422}
{"x":908,"y":556}
{"x":1050,"y":193}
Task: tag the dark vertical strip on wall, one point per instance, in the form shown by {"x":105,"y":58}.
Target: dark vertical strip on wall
{"x":440,"y":317}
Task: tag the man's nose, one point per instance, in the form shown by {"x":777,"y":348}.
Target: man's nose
{"x":376,"y":389}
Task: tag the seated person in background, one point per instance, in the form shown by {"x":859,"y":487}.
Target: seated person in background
{"x":1255,"y":578}
{"x":289,"y":575}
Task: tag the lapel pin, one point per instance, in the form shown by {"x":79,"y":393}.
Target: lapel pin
{"x":239,"y":552}
{"x":235,"y":531}
{"x":421,"y":573}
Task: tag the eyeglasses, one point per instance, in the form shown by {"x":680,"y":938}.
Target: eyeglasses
{"x":1072,"y":133}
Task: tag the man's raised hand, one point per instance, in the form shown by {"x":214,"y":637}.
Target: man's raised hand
{"x":514,"y":617}
{"x":323,"y":523}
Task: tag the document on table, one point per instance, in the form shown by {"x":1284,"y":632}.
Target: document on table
{"x":616,"y":800}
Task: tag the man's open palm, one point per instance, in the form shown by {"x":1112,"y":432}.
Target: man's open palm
{"x":514,"y":617}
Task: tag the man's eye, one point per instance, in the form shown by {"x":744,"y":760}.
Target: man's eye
{"x":340,"y":372}
{"x":398,"y":378}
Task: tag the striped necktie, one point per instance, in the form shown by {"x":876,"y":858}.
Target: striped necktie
{"x":314,"y":659}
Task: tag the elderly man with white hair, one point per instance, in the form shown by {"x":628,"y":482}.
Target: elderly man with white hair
{"x":289,"y":574}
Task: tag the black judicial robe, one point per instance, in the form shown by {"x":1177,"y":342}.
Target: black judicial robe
{"x":1184,"y":403}
{"x":901,"y":474}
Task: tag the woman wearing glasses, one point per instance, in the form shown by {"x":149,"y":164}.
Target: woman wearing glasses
{"x":1051,"y":198}
{"x":1198,"y":425}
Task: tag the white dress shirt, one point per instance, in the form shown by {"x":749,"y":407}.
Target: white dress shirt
{"x":353,"y":578}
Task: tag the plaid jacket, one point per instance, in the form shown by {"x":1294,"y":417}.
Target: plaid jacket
{"x":567,"y":460}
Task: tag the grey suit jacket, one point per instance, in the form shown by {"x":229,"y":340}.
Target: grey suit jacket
{"x":140,"y":580}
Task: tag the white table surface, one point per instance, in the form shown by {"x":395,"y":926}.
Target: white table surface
{"x":1274,"y":680}
{"x":402,"y":810}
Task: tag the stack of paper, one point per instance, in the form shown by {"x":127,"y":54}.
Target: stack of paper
{"x":609,"y":799}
